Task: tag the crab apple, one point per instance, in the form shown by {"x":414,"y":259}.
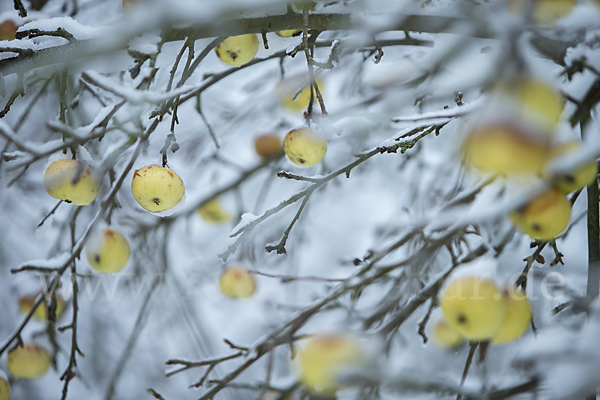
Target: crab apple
{"x":237,"y":50}
{"x":72,"y":181}
{"x":445,"y":336}
{"x":578,"y":178}
{"x":544,"y":12}
{"x":474,"y":306}
{"x":4,"y":386}
{"x":268,"y":145}
{"x":8,"y":30}
{"x":295,"y":92}
{"x":518,"y":317}
{"x":305,"y":146}
{"x":41,"y":313}
{"x":29,"y":362}
{"x":157,"y":188}
{"x":107,"y":250}
{"x":289,"y":33}
{"x":543,"y":217}
{"x":237,"y":282}
{"x":213,"y":212}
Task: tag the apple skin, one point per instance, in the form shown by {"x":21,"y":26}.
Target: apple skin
{"x":107,"y":251}
{"x":305,"y":146}
{"x":534,"y":101}
{"x":474,"y":307}
{"x":41,"y":313}
{"x":4,"y":386}
{"x":28,"y":362}
{"x":157,"y":188}
{"x":324,"y":357}
{"x":59,"y":182}
{"x":237,"y":282}
{"x":8,"y":30}
{"x":445,"y":336}
{"x":286,"y":91}
{"x":545,"y":12}
{"x":213,"y":212}
{"x":238,"y":50}
{"x":268,"y":145}
{"x":579,"y":178}
{"x":289,"y":33}
{"x":518,"y":317}
{"x":545,"y":216}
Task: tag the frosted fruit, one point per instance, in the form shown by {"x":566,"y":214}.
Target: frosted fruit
{"x":72,"y":181}
{"x":289,"y":33}
{"x":237,"y":282}
{"x":4,"y":386}
{"x":107,"y":251}
{"x":157,"y":188}
{"x":268,"y":145}
{"x":325,"y":358}
{"x":544,"y":12}
{"x":8,"y":30}
{"x":213,"y":212}
{"x":29,"y":362}
{"x":237,"y":50}
{"x":41,"y":313}
{"x":578,"y":178}
{"x":305,"y":146}
{"x":545,"y":216}
{"x":518,"y":317}
{"x":445,"y":336}
{"x":474,"y":306}
{"x":288,"y":89}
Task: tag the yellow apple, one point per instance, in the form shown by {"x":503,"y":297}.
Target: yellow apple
{"x":445,"y":336}
{"x":324,"y":358}
{"x":545,"y":216}
{"x":8,"y":30}
{"x":518,"y":317}
{"x":213,"y":212}
{"x":157,"y":188}
{"x":544,"y":12}
{"x":503,"y":148}
{"x":4,"y":386}
{"x":29,"y":362}
{"x":579,"y":178}
{"x":268,"y":145}
{"x":238,"y":50}
{"x":534,"y":101}
{"x":107,"y":250}
{"x":474,"y":306}
{"x":288,"y":88}
{"x":305,"y":146}
{"x":27,"y":301}
{"x":289,"y":33}
{"x":72,"y":181}
{"x":237,"y":282}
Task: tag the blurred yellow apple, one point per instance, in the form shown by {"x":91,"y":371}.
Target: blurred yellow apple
{"x":544,"y":12}
{"x":8,"y":30}
{"x":534,"y":101}
{"x":579,"y":178}
{"x":213,"y":212}
{"x":518,"y":317}
{"x":305,"y":146}
{"x":445,"y":336}
{"x":72,"y":181}
{"x":237,"y":50}
{"x":29,"y":362}
{"x":289,"y":33}
{"x":268,"y":145}
{"x":287,"y":91}
{"x":107,"y":250}
{"x":237,"y":282}
{"x":474,"y":306}
{"x":545,"y":216}
{"x":4,"y":386}
{"x":27,"y":301}
{"x":325,"y":358}
{"x":502,"y":148}
{"x":157,"y":188}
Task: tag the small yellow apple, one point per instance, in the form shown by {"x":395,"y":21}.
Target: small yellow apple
{"x":544,"y":12}
{"x":518,"y":317}
{"x":324,"y":358}
{"x":503,"y":148}
{"x":213,"y":212}
{"x":579,"y":178}
{"x":289,"y":33}
{"x":238,"y":50}
{"x":8,"y":30}
{"x":474,"y":306}
{"x":72,"y":181}
{"x":157,"y":188}
{"x":445,"y":336}
{"x":107,"y":250}
{"x":287,"y":91}
{"x":268,"y":145}
{"x":237,"y":282}
{"x":544,"y":217}
{"x":305,"y":146}
{"x":29,"y":362}
{"x":41,"y":313}
{"x":534,"y":101}
{"x":4,"y":386}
